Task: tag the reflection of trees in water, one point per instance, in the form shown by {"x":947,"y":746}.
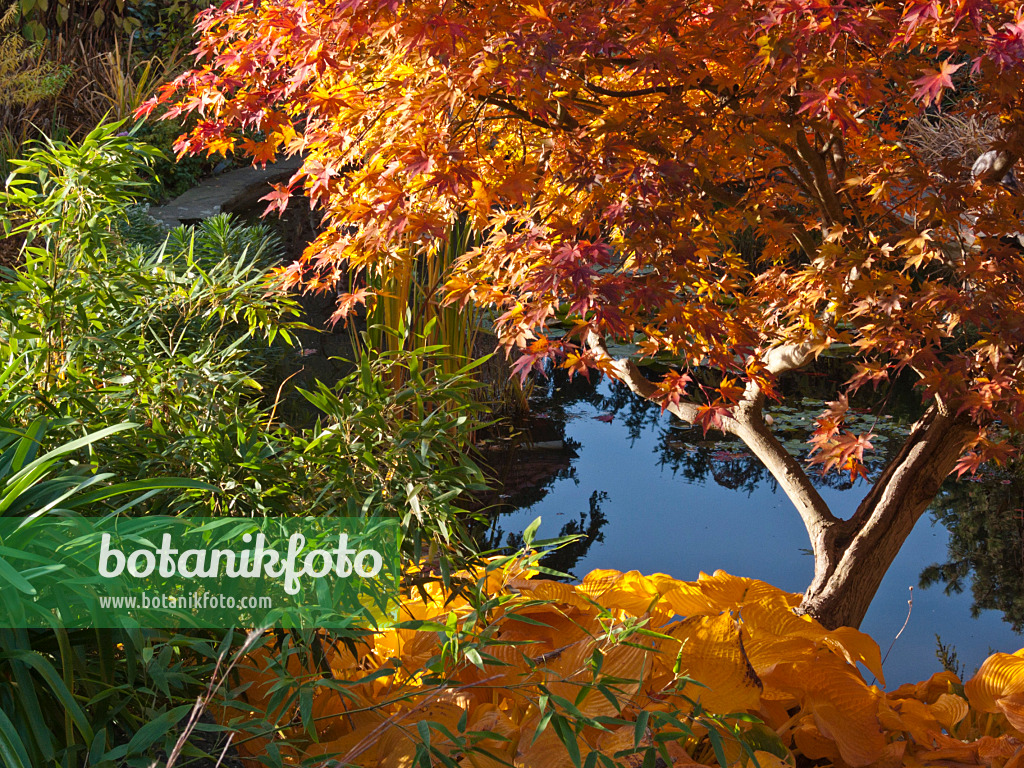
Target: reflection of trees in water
{"x":985,"y":519}
{"x":986,"y":544}
{"x":565,"y":558}
{"x":726,"y":461}
{"x":683,"y":449}
{"x":736,"y":470}
{"x":694,"y":456}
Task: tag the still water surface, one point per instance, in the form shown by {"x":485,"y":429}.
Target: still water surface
{"x":661,"y":520}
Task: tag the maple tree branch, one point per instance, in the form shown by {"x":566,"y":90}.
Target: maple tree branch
{"x":861,"y":548}
{"x":629,"y":373}
{"x":750,"y":427}
{"x":787,"y":357}
{"x":748,"y":424}
{"x":819,"y":173}
{"x":515,"y":111}
{"x":993,"y":165}
{"x":794,"y":157}
{"x":666,"y":90}
{"x":812,"y":170}
{"x":797,"y":180}
{"x":937,"y":432}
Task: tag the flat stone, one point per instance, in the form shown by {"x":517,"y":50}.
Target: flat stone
{"x":229,"y":192}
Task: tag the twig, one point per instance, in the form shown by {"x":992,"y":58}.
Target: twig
{"x":203,"y":700}
{"x":910,"y":607}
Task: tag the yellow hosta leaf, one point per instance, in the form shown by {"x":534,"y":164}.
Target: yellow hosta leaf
{"x":928,"y":690}
{"x":546,"y":752}
{"x":910,"y":716}
{"x":950,"y":710}
{"x":765,"y":651}
{"x":985,"y":750}
{"x":555,"y":591}
{"x":597,"y":581}
{"x":769,"y":760}
{"x":1013,"y":707}
{"x":725,"y":590}
{"x":889,"y":718}
{"x":488,"y":717}
{"x":395,"y":749}
{"x":813,"y":744}
{"x":990,"y":748}
{"x":396,"y":746}
{"x":1001,"y":675}
{"x":632,"y":593}
{"x":680,"y":757}
{"x":712,"y":653}
{"x":845,"y":710}
{"x":774,"y":614}
{"x":741,"y":638}
{"x":892,"y":755}
{"x":624,"y":662}
{"x":616,"y":740}
{"x":688,"y":600}
{"x":856,"y":647}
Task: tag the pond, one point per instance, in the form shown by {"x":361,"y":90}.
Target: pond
{"x":656,"y":496}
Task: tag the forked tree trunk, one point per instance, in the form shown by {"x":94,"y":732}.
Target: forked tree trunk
{"x":852,"y":556}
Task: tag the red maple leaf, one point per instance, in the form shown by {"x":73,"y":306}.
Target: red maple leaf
{"x":931,"y":86}
{"x":969,"y":462}
{"x":278,"y":199}
{"x":347,"y":305}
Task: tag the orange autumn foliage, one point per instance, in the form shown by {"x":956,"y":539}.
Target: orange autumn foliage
{"x":722,"y":185}
{"x":613,"y":665}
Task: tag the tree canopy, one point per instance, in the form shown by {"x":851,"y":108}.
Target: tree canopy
{"x":724,"y":185}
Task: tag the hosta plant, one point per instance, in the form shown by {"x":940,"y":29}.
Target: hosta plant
{"x":621,"y":669}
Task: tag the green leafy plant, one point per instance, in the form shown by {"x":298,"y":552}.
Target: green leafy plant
{"x":380,"y":450}
{"x":108,"y":320}
{"x":26,"y":76}
{"x":71,"y":697}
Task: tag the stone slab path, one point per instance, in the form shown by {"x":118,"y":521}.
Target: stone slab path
{"x":229,"y":192}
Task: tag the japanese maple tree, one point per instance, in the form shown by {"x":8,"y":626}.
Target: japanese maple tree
{"x":612,"y":150}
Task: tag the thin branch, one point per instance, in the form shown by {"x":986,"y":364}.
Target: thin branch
{"x":666,"y":90}
{"x":748,"y":424}
{"x":515,"y":111}
{"x":629,"y":373}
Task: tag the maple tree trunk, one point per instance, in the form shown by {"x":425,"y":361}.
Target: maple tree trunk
{"x":852,"y":556}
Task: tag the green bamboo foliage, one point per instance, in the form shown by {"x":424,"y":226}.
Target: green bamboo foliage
{"x":67,"y":697}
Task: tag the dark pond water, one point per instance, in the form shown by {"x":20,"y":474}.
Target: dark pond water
{"x":656,"y":497}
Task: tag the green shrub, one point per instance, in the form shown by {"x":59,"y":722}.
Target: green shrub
{"x":107,"y":321}
{"x":113,"y":321}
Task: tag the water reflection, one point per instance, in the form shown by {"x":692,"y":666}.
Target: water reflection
{"x":564,"y":559}
{"x":656,"y":495}
{"x":986,"y":544}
